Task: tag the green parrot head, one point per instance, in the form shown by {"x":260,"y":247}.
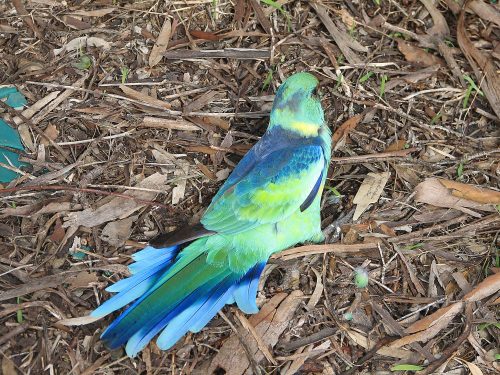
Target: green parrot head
{"x":297,"y":108}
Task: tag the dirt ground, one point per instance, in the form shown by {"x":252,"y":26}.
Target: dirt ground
{"x":138,"y":110}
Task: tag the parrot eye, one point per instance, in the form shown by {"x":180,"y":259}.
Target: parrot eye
{"x":314,"y":92}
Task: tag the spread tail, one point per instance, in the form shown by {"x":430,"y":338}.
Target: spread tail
{"x":175,"y":293}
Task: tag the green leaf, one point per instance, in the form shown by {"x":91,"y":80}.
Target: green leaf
{"x":405,"y":367}
{"x":497,"y":357}
{"x":384,"y":79}
{"x":124,"y":72}
{"x":366,"y":77}
{"x":84,"y":63}
{"x":19,"y":313}
{"x":460,"y":170}
{"x":333,"y":190}
{"x":482,"y":326}
{"x":414,"y":246}
{"x":268,"y":80}
{"x":279,"y":7}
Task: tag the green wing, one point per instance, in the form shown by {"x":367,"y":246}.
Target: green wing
{"x":273,"y":189}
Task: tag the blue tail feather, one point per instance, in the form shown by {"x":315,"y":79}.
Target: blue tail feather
{"x":173,"y":297}
{"x":246,"y":290}
{"x":133,"y":287}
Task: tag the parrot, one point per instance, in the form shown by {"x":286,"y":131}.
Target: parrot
{"x":270,"y":202}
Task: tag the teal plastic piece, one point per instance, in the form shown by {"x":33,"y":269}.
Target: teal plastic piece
{"x":14,"y":98}
{"x":9,"y":137}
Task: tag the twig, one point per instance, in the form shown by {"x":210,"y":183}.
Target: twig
{"x":383,"y":156}
{"x":84,"y":190}
{"x":315,"y":337}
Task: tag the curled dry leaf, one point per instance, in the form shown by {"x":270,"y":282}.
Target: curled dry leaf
{"x":81,"y":42}
{"x":418,"y":55}
{"x":363,"y":341}
{"x":434,"y":318}
{"x":430,"y":326}
{"x":471,"y":192}
{"x":451,"y":194}
{"x":484,"y":289}
{"x":340,"y":135}
{"x":318,"y":290}
{"x":161,"y":43}
{"x":488,"y":79}
{"x":204,"y":35}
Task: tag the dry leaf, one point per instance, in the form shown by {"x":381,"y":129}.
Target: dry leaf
{"x":161,"y":43}
{"x":396,"y":145}
{"x":484,"y":289}
{"x":369,"y":192}
{"x":474,"y":369}
{"x":340,"y":135}
{"x":362,"y":341}
{"x":434,"y":318}
{"x":83,"y":280}
{"x":318,"y":291}
{"x":144,"y":98}
{"x":117,"y":232}
{"x":204,"y":35}
{"x":82,"y":320}
{"x":8,"y":366}
{"x":181,"y":172}
{"x":82,"y":42}
{"x":430,"y":326}
{"x":417,"y":55}
{"x":269,"y":323}
{"x":58,"y":234}
{"x":488,"y":79}
{"x":435,"y":192}
{"x":93,"y":13}
{"x":471,"y":192}
{"x":51,"y":132}
{"x":117,"y":208}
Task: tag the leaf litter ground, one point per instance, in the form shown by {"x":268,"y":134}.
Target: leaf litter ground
{"x":137,"y":111}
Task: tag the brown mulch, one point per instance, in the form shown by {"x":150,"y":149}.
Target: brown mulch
{"x":138,"y":110}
